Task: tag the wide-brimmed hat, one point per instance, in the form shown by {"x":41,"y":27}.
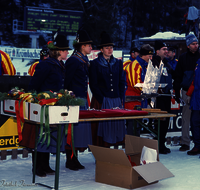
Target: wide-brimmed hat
{"x":82,"y":38}
{"x":105,"y":40}
{"x":59,"y":43}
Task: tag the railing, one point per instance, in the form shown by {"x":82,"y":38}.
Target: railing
{"x":14,"y":153}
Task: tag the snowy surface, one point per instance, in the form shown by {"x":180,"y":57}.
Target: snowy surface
{"x":166,"y":35}
{"x":16,"y":172}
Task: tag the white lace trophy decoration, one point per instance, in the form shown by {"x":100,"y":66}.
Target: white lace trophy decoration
{"x":152,"y":78}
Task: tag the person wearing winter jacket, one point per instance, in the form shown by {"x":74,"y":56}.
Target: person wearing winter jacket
{"x":183,"y":76}
{"x":163,"y":102}
{"x":194,"y":93}
{"x":6,"y":66}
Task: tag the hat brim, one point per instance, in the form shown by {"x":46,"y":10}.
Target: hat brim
{"x":108,"y":44}
{"x":61,"y":48}
{"x":82,"y":43}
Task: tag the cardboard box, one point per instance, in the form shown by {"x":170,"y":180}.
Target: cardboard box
{"x":57,"y":114}
{"x":114,"y":168}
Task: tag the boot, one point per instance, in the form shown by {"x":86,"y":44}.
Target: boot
{"x":45,"y":156}
{"x":70,"y":163}
{"x":76,"y":161}
{"x":39,"y":171}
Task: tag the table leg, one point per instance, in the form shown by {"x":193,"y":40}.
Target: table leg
{"x":158,"y":132}
{"x":35,"y":154}
{"x":134,"y":127}
{"x":57,"y":157}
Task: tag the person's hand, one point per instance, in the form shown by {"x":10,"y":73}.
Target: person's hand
{"x":188,"y":100}
{"x":177,"y":96}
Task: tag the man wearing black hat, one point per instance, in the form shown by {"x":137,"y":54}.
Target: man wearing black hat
{"x":184,"y":74}
{"x":171,"y":57}
{"x":163,"y":102}
{"x":133,"y":54}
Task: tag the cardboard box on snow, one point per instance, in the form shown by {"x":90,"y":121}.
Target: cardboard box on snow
{"x":114,"y":168}
{"x":57,"y":114}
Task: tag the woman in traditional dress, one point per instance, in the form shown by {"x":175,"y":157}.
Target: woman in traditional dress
{"x":49,"y":76}
{"x":107,"y":83}
{"x":76,"y":80}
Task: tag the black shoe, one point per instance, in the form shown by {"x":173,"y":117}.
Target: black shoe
{"x":71,"y":165}
{"x":194,"y":151}
{"x":168,"y":150}
{"x":78,"y":164}
{"x":39,"y":172}
{"x":184,"y":147}
{"x":49,"y":171}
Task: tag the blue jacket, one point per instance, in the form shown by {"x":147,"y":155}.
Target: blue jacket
{"x":76,"y":75}
{"x":173,"y":63}
{"x":49,"y":75}
{"x":195,"y":99}
{"x":106,"y":79}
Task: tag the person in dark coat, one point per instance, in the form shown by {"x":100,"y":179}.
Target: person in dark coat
{"x":107,"y":84}
{"x":163,"y":102}
{"x":185,"y":70}
{"x":76,"y":80}
{"x":49,"y":76}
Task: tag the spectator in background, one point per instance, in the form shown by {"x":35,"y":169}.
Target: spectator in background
{"x":44,"y":54}
{"x":6,"y":66}
{"x":133,"y":54}
{"x":163,"y":102}
{"x":76,"y":80}
{"x":183,"y":76}
{"x":107,"y":83}
{"x":194,"y":93}
{"x":171,"y":57}
{"x":135,"y":73}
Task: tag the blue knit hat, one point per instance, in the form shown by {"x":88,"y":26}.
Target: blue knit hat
{"x":190,"y":38}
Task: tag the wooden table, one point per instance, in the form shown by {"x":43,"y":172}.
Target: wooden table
{"x":156,"y":116}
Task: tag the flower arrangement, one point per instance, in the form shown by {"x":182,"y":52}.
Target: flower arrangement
{"x":62,"y":98}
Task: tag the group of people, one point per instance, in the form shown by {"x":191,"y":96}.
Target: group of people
{"x":177,"y":74}
{"x":107,"y":83}
{"x":110,"y":80}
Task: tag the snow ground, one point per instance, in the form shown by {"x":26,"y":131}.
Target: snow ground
{"x":17,"y":174}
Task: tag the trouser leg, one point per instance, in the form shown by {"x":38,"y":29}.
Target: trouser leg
{"x":186,"y":112}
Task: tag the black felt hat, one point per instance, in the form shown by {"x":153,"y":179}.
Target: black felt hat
{"x":59,"y":43}
{"x":159,"y":44}
{"x":105,"y":40}
{"x":82,"y":37}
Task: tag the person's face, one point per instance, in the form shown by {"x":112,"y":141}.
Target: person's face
{"x":63,"y":54}
{"x":193,"y":47}
{"x":86,"y":49}
{"x":45,"y":57}
{"x":147,"y":57}
{"x":107,"y":51}
{"x":162,"y":52}
{"x":171,"y":55}
{"x":135,"y":54}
